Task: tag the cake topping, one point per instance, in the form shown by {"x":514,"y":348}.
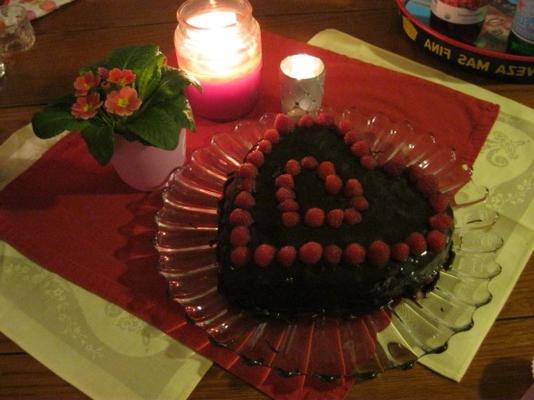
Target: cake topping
{"x":248,"y":170}
{"x":290,"y":219}
{"x":360,"y":148}
{"x":436,"y":240}
{"x":440,"y":221}
{"x":288,"y":205}
{"x":240,"y":256}
{"x":325,"y":119}
{"x":284,"y":194}
{"x":334,"y":218}
{"x":326,"y":168}
{"x":272,"y":135}
{"x":333,"y":184}
{"x":293,"y":167}
{"x":417,"y":243}
{"x":310,"y":253}
{"x":239,"y":216}
{"x":256,"y":157}
{"x":368,"y":162}
{"x":354,"y":254}
{"x":264,"y":255}
{"x":245,"y":200}
{"x":314,"y":217}
{"x":286,"y":256}
{"x":285,"y":180}
{"x":439,"y":202}
{"x":378,"y":253}
{"x":283,"y":124}
{"x":247,"y":185}
{"x":352,"y":216}
{"x":240,"y":236}
{"x":400,"y":252}
{"x":351,"y":137}
{"x":305,"y":121}
{"x":344,"y":126}
{"x":332,"y":254}
{"x":309,"y":162}
{"x":360,"y":203}
{"x":353,"y":187}
{"x":265,"y":146}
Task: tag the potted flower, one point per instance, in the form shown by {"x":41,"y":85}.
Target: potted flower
{"x":131,"y":110}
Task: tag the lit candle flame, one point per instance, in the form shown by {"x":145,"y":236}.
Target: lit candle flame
{"x":302,"y":66}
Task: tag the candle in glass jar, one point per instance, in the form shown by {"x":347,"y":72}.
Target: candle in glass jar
{"x":218,"y":43}
{"x":301,"y":83}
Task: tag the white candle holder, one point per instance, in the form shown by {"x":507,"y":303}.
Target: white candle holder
{"x":301,"y":83}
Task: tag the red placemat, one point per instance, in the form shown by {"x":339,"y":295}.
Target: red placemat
{"x":79,"y":220}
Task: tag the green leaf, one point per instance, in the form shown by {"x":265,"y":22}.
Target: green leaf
{"x":156,"y":127}
{"x":149,"y":79}
{"x":178,"y":107}
{"x":133,"y":57}
{"x":47,"y":124}
{"x":99,"y":140}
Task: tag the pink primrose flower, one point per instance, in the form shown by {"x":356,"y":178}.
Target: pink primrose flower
{"x":86,"y":107}
{"x":102,"y":72}
{"x":122,"y":102}
{"x":121,"y":77}
{"x":85,"y":82}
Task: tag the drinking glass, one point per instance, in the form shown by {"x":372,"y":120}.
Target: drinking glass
{"x":16,"y":33}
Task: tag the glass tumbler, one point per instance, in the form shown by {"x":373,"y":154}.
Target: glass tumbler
{"x":16,"y":33}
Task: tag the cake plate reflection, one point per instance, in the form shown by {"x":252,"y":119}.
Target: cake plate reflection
{"x":323,"y":347}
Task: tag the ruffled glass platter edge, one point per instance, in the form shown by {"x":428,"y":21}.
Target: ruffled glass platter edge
{"x":327,"y":348}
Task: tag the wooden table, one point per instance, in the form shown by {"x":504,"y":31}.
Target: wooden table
{"x":86,"y":30}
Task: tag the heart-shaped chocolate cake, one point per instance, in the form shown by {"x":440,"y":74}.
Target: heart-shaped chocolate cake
{"x":311,"y":224}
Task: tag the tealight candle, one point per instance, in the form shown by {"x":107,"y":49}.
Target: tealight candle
{"x":218,"y":43}
{"x":302,"y":83}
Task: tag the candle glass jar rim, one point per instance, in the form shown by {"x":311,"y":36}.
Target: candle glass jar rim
{"x":284,"y":70}
{"x":191,"y":8}
{"x":19,"y":17}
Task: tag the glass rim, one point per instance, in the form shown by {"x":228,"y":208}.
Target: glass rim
{"x":20,"y":17}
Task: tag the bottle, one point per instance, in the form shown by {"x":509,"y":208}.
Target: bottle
{"x":521,"y":39}
{"x":459,"y":19}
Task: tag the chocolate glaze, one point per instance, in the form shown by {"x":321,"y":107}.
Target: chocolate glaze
{"x":396,"y":209}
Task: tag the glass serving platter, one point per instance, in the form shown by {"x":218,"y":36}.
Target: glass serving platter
{"x":324,"y":347}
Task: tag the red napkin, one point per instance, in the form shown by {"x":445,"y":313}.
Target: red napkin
{"x":80,"y":221}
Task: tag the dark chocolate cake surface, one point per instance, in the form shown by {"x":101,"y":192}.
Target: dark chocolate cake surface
{"x":285,"y":252}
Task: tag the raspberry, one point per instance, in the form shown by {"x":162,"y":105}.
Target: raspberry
{"x":245,"y":200}
{"x":417,"y":243}
{"x":394,"y":168}
{"x":310,"y":253}
{"x":264,"y":255}
{"x":368,"y":162}
{"x":240,"y":256}
{"x":378,"y":253}
{"x":332,"y":254}
{"x":240,"y":217}
{"x":400,"y":252}
{"x":334,"y":218}
{"x":344,"y":126}
{"x":288,"y":205}
{"x":293,"y":167}
{"x":286,"y":256}
{"x":247,"y":185}
{"x":352,"y":216}
{"x":360,"y":148}
{"x":353,"y":187}
{"x":290,"y":219}
{"x":427,"y":184}
{"x":439,"y":202}
{"x":440,"y":221}
{"x":324,"y":118}
{"x":305,"y":121}
{"x":284,"y":194}
{"x":415,"y":172}
{"x":354,"y":254}
{"x":272,"y":135}
{"x":309,"y":162}
{"x":326,"y":168}
{"x":256,"y":157}
{"x":282,"y":123}
{"x":248,"y":170}
{"x":360,"y":203}
{"x":436,"y":240}
{"x":284,"y":180}
{"x":314,"y":217}
{"x":333,"y":184}
{"x":239,"y":236}
{"x":265,"y":146}
{"x":351,"y":137}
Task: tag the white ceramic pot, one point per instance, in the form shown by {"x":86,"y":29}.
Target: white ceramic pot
{"x":146,"y":168}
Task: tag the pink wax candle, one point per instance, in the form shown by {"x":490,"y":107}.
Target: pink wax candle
{"x":218,"y":43}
